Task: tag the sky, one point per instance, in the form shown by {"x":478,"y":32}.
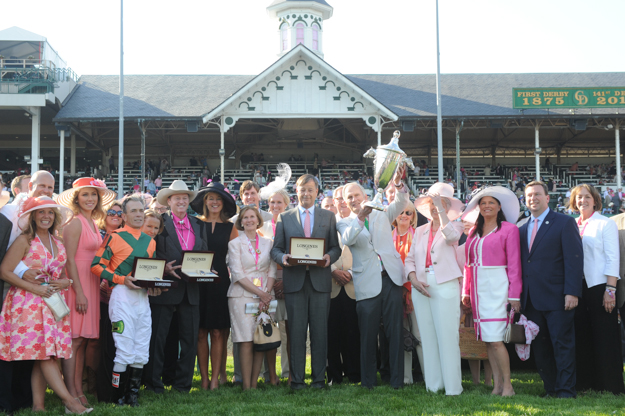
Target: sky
{"x":362,"y":36}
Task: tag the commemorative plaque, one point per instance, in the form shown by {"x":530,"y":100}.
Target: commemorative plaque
{"x":307,"y":251}
{"x":149,"y":273}
{"x":197,"y":266}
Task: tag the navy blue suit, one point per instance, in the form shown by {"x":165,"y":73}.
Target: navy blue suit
{"x":551,"y":270}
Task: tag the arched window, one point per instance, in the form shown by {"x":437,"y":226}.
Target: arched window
{"x":299,"y":33}
{"x":315,"y":37}
{"x":284,"y":36}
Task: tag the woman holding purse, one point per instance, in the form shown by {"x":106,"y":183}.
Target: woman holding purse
{"x":28,"y":327}
{"x":253,"y":275}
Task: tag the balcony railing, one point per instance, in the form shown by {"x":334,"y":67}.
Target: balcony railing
{"x":31,"y":76}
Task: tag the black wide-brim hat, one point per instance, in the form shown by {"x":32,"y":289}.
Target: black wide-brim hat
{"x":229,"y":205}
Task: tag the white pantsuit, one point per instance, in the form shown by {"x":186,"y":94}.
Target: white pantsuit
{"x":438,"y":315}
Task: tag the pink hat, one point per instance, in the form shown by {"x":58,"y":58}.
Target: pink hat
{"x":445,"y":191}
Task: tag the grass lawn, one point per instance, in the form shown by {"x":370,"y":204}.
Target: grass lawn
{"x":352,"y":399}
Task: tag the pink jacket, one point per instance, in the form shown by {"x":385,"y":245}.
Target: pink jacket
{"x":501,"y":248}
{"x":443,"y":252}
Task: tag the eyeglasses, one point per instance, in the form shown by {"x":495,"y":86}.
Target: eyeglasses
{"x":407,"y":213}
{"x":112,"y":213}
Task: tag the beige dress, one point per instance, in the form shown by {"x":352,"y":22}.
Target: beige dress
{"x":242,"y":264}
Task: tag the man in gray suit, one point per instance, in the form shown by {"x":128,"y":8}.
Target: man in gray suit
{"x":378,"y":275}
{"x":307,"y":288}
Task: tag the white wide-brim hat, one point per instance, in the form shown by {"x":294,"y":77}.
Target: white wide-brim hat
{"x":42,"y":202}
{"x":176,"y":187}
{"x":507,"y":199}
{"x":107,"y":196}
{"x":445,"y":190}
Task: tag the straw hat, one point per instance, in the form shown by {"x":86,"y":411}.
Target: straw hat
{"x":176,"y":187}
{"x":4,"y":198}
{"x":106,"y":195}
{"x":422,"y":204}
{"x":34,"y":204}
{"x":508,"y":200}
{"x":229,"y":206}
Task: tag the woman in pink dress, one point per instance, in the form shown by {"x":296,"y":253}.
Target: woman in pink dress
{"x":82,"y":240}
{"x":493,"y":275}
{"x":28,"y":329}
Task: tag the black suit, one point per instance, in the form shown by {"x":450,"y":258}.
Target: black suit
{"x":15,"y":389}
{"x":183,"y":299}
{"x":552,"y":269}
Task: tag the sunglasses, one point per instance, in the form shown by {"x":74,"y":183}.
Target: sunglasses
{"x":408,"y":213}
{"x":112,"y":213}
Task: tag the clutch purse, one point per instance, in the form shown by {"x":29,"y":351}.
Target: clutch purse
{"x":515,"y":333}
{"x":57,"y":306}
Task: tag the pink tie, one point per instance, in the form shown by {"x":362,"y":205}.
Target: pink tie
{"x":307,"y":224}
{"x":534,"y":232}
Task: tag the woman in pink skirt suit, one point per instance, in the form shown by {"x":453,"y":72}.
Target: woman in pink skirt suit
{"x":493,"y":275}
{"x":82,"y":240}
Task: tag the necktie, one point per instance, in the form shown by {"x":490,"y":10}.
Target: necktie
{"x":307,"y":224}
{"x":367,"y":223}
{"x":534,"y":230}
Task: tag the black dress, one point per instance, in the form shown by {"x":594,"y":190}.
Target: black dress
{"x":214,"y":312}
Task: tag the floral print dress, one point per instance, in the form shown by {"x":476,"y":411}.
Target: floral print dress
{"x":28,"y":330}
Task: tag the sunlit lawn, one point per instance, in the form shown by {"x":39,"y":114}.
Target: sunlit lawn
{"x":352,"y":399}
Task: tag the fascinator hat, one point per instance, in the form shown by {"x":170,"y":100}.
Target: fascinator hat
{"x":42,"y":202}
{"x":281,"y":181}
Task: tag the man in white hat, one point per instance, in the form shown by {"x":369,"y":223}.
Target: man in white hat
{"x":378,"y":274}
{"x":181,"y":233}
{"x":15,"y":388}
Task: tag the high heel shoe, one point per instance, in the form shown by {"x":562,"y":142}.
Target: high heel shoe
{"x":84,"y":412}
{"x":85,"y":403}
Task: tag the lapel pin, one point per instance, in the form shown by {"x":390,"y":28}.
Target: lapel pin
{"x":546,"y":222}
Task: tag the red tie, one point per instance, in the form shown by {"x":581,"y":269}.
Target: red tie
{"x":307,"y":224}
{"x":534,"y":232}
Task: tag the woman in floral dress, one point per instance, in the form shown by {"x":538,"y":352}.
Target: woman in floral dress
{"x":28,"y":330}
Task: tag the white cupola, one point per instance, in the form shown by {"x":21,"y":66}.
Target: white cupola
{"x":300,"y":21}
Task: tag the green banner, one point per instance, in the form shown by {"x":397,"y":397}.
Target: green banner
{"x":568,"y":97}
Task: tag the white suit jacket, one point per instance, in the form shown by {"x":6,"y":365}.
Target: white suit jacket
{"x":601,"y":250}
{"x":367,"y":245}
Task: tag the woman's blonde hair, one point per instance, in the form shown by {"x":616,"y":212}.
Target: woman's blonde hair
{"x":592,"y":190}
{"x":97,"y":214}
{"x":102,"y":221}
{"x":31,"y":229}
{"x":153,"y":214}
{"x":238,"y":224}
{"x":284,"y":195}
{"x":413,"y":220}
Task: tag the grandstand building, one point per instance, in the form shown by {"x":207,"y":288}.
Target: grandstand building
{"x":301,"y":106}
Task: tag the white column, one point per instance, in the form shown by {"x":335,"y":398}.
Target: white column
{"x":61,"y":160}
{"x":72,"y":157}
{"x":222,"y":150}
{"x":617,"y":139}
{"x":536,"y":154}
{"x":379,"y":131}
{"x":458,"y":174}
{"x":36,"y":129}
{"x":439,"y":118}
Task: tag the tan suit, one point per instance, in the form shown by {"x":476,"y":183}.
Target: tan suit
{"x":343,"y":263}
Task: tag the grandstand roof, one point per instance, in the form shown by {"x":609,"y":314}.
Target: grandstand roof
{"x":408,"y":96}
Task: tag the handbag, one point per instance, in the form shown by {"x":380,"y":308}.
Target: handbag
{"x":266,"y":335}
{"x":57,"y":306}
{"x":410,"y":341}
{"x":471,"y":348}
{"x":515,"y":333}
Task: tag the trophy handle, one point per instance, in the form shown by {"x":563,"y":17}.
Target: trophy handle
{"x":376,"y":203}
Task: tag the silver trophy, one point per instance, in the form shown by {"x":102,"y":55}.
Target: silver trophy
{"x":388,"y":159}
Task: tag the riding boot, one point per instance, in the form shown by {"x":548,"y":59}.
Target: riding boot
{"x":132,"y":397}
{"x":120,"y":387}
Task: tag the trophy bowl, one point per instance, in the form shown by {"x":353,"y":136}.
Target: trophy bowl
{"x":387,"y":160}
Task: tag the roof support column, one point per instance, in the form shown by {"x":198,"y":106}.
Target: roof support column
{"x":222,"y":150}
{"x":617,"y":140}
{"x":142,"y":155}
{"x":458,"y":174}
{"x":537,"y":150}
{"x":72,"y":155}
{"x":61,"y":159}
{"x":379,"y":131}
{"x":35,"y":141}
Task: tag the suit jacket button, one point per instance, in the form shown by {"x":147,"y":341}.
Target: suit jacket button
{"x":529,"y":261}
{"x":434,"y":263}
